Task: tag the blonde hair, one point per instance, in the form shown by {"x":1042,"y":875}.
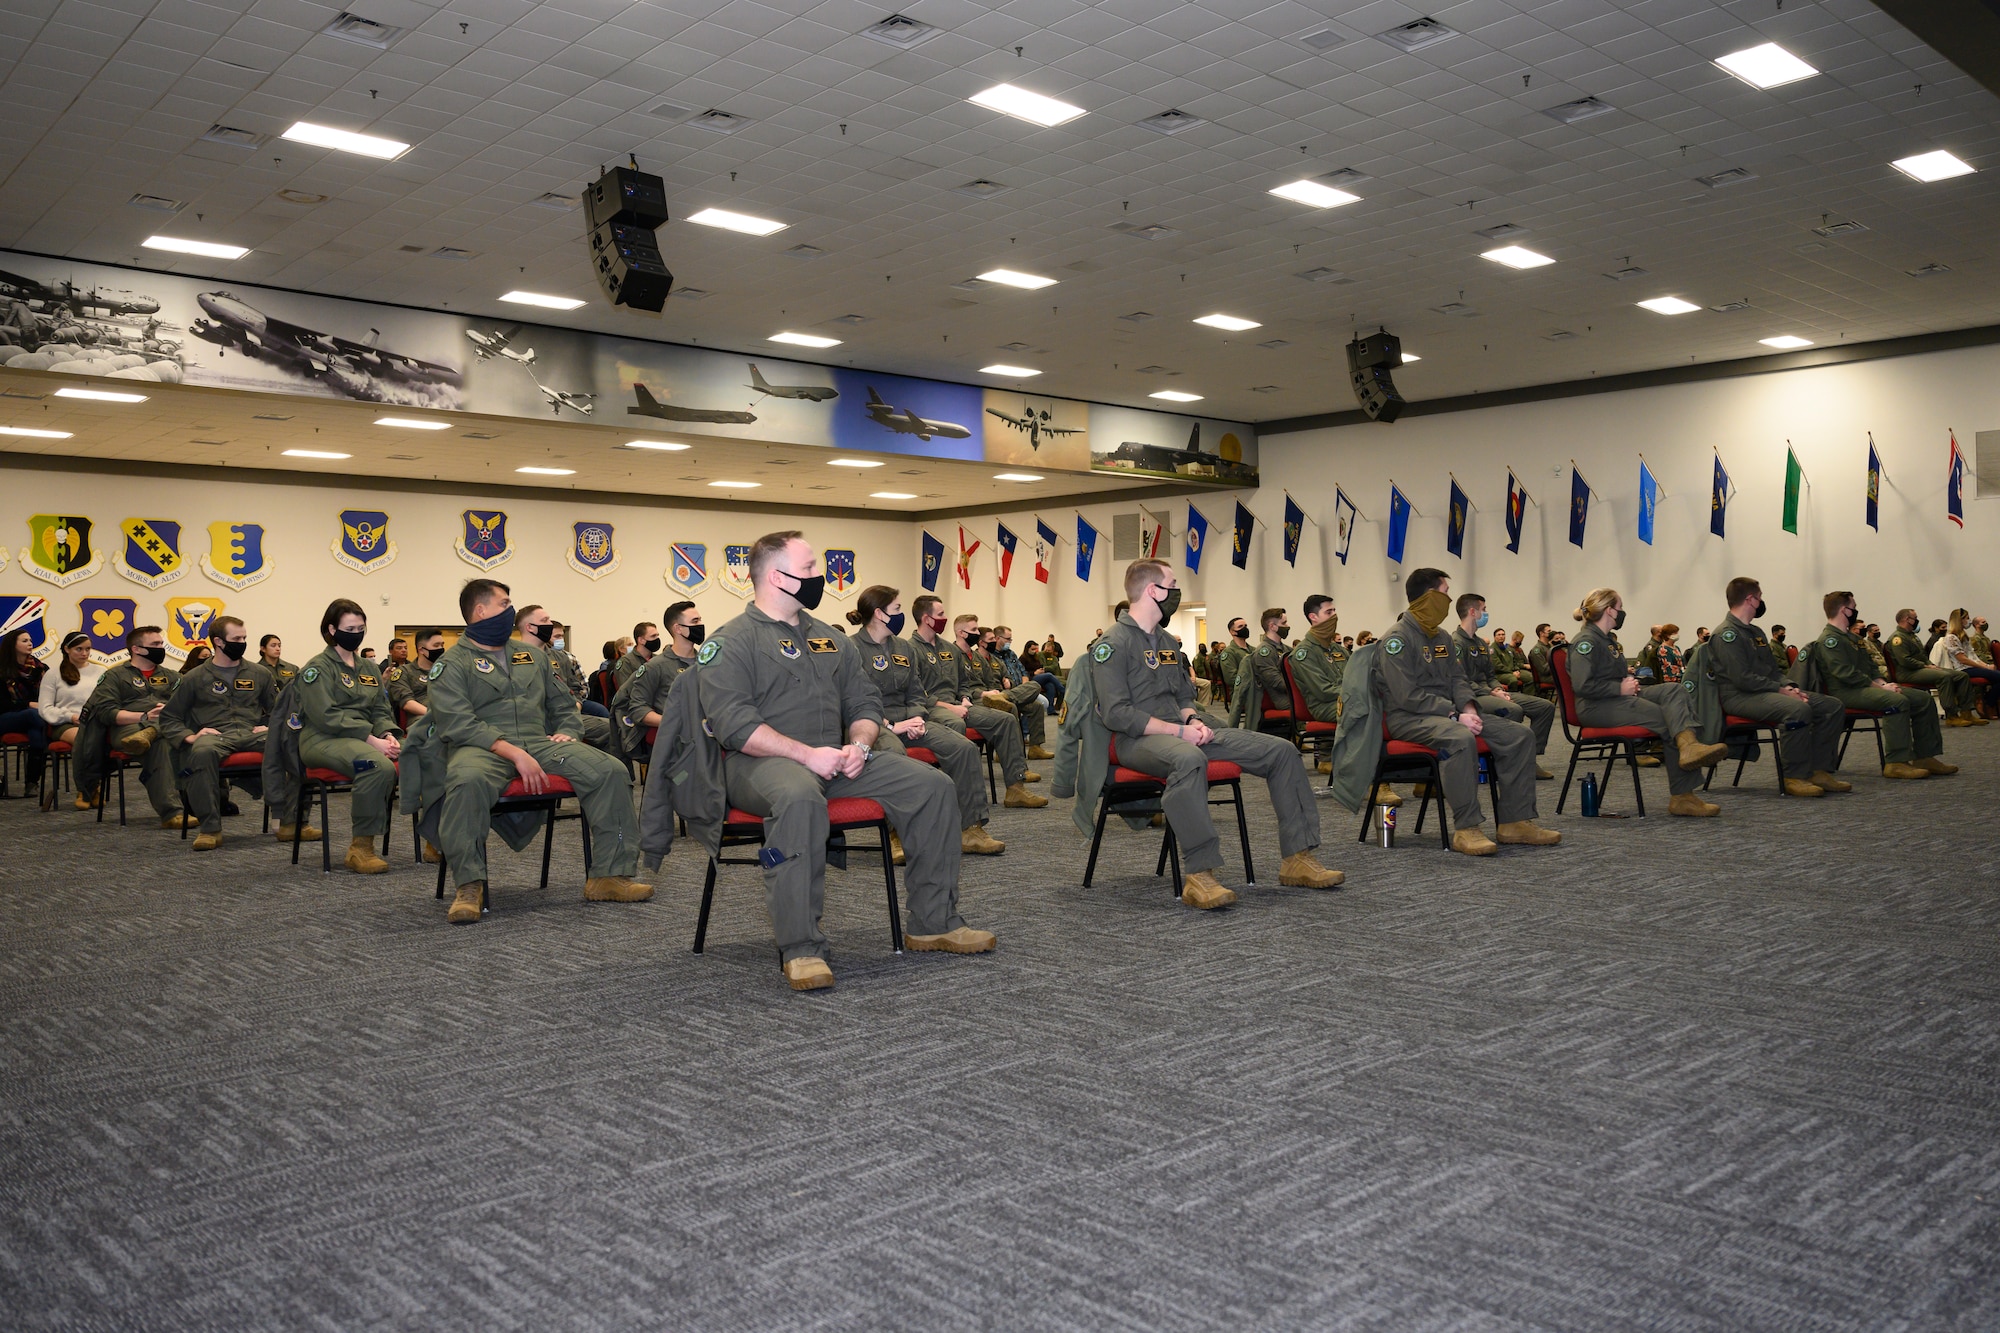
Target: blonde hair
{"x":1595,"y":603}
{"x":1959,"y":620}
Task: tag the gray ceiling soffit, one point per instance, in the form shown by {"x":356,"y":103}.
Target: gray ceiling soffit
{"x":1965,"y":32}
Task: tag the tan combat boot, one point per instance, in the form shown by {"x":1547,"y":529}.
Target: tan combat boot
{"x":810,"y":973}
{"x":178,"y":822}
{"x":896,"y":852}
{"x":976,"y":841}
{"x":999,"y":703}
{"x":1796,"y":787}
{"x":1906,"y":771}
{"x":1040,"y":752}
{"x":1473,"y":842}
{"x":1696,"y":755}
{"x":88,"y":802}
{"x":963,"y":939}
{"x":432,"y":855}
{"x":206,"y":842}
{"x":1385,"y":795}
{"x":1933,"y":764}
{"x":1202,"y":890}
{"x":361,"y":858}
{"x":1302,"y":870}
{"x":139,"y":742}
{"x":1324,"y":766}
{"x":1020,"y":798}
{"x":1542,"y":774}
{"x":1957,"y":720}
{"x":615,"y":889}
{"x":1527,"y":833}
{"x":306,"y":834}
{"x":1030,"y":775}
{"x":1647,"y":761}
{"x":467,"y":904}
{"x":1692,"y":806}
{"x":1826,"y":781}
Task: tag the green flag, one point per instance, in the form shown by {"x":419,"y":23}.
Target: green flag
{"x":1794,"y":474}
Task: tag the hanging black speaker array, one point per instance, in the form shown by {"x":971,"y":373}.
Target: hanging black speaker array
{"x":622,"y":209}
{"x":1369,"y":363}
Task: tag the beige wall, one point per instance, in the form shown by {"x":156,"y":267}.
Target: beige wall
{"x":422,"y":584}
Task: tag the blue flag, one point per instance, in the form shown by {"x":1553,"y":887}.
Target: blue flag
{"x":1454,"y":533}
{"x":1197,"y":537}
{"x":1399,"y":522}
{"x":1649,"y":500}
{"x":1874,"y":486}
{"x":1517,"y":511}
{"x":1086,"y":547}
{"x":1246,"y":522}
{"x":1954,"y":485}
{"x":1718,"y":498}
{"x":1344,"y":514}
{"x":1295,"y":527}
{"x":1579,"y":506}
{"x":933,"y":561}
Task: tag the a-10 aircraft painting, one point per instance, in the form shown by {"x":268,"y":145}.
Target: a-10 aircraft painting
{"x":1035,"y":423}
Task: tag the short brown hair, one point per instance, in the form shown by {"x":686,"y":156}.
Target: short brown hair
{"x":138,"y":632}
{"x":1143,"y":574}
{"x":1833,"y":601}
{"x":218,"y":628}
{"x":335,"y":609}
{"x":956,"y":621}
{"x":769,"y":547}
{"x":922,"y":606}
{"x":1739,"y":588}
{"x":1271,"y":616}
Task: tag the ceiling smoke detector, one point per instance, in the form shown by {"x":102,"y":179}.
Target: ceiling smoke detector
{"x":354,"y":28}
{"x":900,"y":31}
{"x":1171,"y":121}
{"x":1583,"y":108}
{"x":1417,"y":35}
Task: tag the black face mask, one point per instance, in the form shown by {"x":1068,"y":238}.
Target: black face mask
{"x":1170,"y":603}
{"x":492,"y":631}
{"x":350,"y":639}
{"x":1618,"y":621}
{"x":546,"y":633}
{"x":696,"y":634}
{"x":1240,"y":632}
{"x":1758,"y":614}
{"x":233,"y":649}
{"x":807,"y":594}
{"x":896,"y":623}
{"x":653,"y":644}
{"x":156,"y":654}
{"x":1284,"y":632}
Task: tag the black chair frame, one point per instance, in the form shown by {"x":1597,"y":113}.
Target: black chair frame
{"x":752,"y":835}
{"x":1143,"y":798}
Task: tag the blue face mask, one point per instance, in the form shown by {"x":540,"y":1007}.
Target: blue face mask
{"x":492,"y":631}
{"x":1481,"y":622}
{"x":896,"y":623}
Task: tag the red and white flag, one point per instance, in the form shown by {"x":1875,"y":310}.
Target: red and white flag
{"x":965,"y":554}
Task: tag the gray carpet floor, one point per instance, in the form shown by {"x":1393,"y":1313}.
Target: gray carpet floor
{"x":1727,"y":1074}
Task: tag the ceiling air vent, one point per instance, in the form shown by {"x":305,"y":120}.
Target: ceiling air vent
{"x":804,"y":251}
{"x":477,"y":435}
{"x":1626,"y":274}
{"x":1137,"y":317}
{"x":1344,"y":177}
{"x":1153,"y":370}
{"x":1458,"y":308}
{"x":1324,"y":274}
{"x":235,"y":137}
{"x":849,"y":320}
{"x":971,"y":284}
{"x":411,"y":249}
{"x":154,"y":203}
{"x":555,"y":203}
{"x":1171,"y":121}
{"x":719,"y":122}
{"x":1417,"y":35}
{"x":1583,"y":108}
{"x":690,"y":294}
{"x":668,"y":111}
{"x":900,"y":31}
{"x":1560,"y":336}
{"x":272,"y":416}
{"x":981,"y":188}
{"x":1151,"y":232}
{"x":354,"y":28}
{"x":453,"y":253}
{"x":301,"y":197}
{"x":1500,"y":231}
{"x":1274,"y":344}
{"x":1320,"y":39}
{"x":1014,"y":347}
{"x":1265,"y":388}
{"x":1928,"y":271}
{"x":1730,"y":307}
{"x":1727,"y":176}
{"x":1839,"y":229}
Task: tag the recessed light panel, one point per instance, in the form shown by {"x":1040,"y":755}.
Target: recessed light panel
{"x":206,"y":249}
{"x":1007,"y":277}
{"x":1175,"y":396}
{"x":325,"y":136}
{"x":548,"y":471}
{"x":545,"y":302}
{"x":736,"y":485}
{"x":1786,"y":341}
{"x":892,"y":495}
{"x":1517,"y":256}
{"x":1024,"y":105}
{"x":314,"y":453}
{"x":412,"y":423}
{"x":1016,"y":476}
{"x":1669,"y":305}
{"x":101,"y":395}
{"x":1315,"y":195}
{"x":31,"y":433}
{"x":1937,"y":166}
{"x":1229,"y":322}
{"x":803,"y":340}
{"x":1011,"y":372}
{"x":853,"y":462}
{"x":664,"y":446}
{"x":1766,"y":66}
{"x":743,"y":222}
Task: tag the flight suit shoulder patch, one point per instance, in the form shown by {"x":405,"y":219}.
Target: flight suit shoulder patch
{"x":1583,"y":646}
{"x":521,"y":658}
{"x":311,"y":675}
{"x":437,"y":669}
{"x":393,"y":673}
{"x":483,"y":665}
{"x":1832,"y":642}
{"x":1102,"y":652}
{"x":1729,"y":636}
{"x":823,"y":645}
{"x":708,"y":652}
{"x":1393,"y":646}
{"x":1299,"y":653}
{"x":1264,"y":650}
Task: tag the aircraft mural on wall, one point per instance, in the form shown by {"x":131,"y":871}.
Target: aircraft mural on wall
{"x":649,"y":406}
{"x":903,"y":421}
{"x":811,"y":393}
{"x":353,"y":369}
{"x":1034,"y":423}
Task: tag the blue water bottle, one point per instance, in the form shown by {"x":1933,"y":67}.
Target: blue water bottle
{"x":1589,"y":794}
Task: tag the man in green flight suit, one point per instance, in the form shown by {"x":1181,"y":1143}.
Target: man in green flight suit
{"x":1911,"y":739}
{"x":345,"y":724}
{"x":636,"y":707}
{"x":786,"y":698}
{"x":955,"y":696}
{"x":1748,"y":685}
{"x":1955,"y":690}
{"x":534,"y":623}
{"x":126,"y":706}
{"x":1259,"y":685}
{"x":1490,"y":695}
{"x":1230,"y":663}
{"x":219,"y":709}
{"x":1319,"y":665}
{"x":503,"y":715}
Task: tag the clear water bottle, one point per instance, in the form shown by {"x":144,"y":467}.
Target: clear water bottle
{"x":1388,"y":826}
{"x":1589,"y":795}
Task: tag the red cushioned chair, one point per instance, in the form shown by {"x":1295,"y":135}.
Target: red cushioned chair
{"x":1307,"y":729}
{"x":1127,"y":791}
{"x":1594,"y":743}
{"x":250,"y":761}
{"x":515,"y":799}
{"x":844,"y":814}
{"x":13,"y":758}
{"x":115,"y":764}
{"x":327,"y":782}
{"x":1408,"y":761}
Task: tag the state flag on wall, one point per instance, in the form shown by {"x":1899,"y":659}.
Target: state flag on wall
{"x":1086,"y":547}
{"x":1794,"y":475}
{"x":1399,"y":522}
{"x":965,"y":554}
{"x":933,"y":561}
{"x":1045,"y":545}
{"x":1295,"y":528}
{"x":1454,"y":532}
{"x":1649,"y":501}
{"x":1197,"y":538}
{"x":1343,"y":518}
{"x":1579,"y":505}
{"x":1008,"y":541}
{"x":1246,"y":523}
{"x":1954,"y":486}
{"x":1718,"y":498}
{"x":1517,"y":511}
{"x":1874,"y":486}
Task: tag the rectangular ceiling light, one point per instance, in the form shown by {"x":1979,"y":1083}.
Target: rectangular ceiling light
{"x":1786,"y":341}
{"x":1669,"y":305}
{"x":1766,"y":66}
{"x":1017,"y":476}
{"x":1011,"y":372}
{"x":1008,"y":277}
{"x":853,"y":462}
{"x":206,"y":249}
{"x":412,"y":423}
{"x":803,"y":340}
{"x":664,"y":446}
{"x":101,"y":395}
{"x":1024,"y":105}
{"x":31,"y":433}
{"x":325,"y":136}
{"x":892,"y":495}
{"x":743,"y":222}
{"x":1175,"y":396}
{"x":314,"y":453}
{"x":1315,"y":195}
{"x":545,"y":302}
{"x":1517,"y":256}
{"x":1229,"y":322}
{"x":548,"y":471}
{"x":1938,"y":166}
{"x":736,"y":485}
